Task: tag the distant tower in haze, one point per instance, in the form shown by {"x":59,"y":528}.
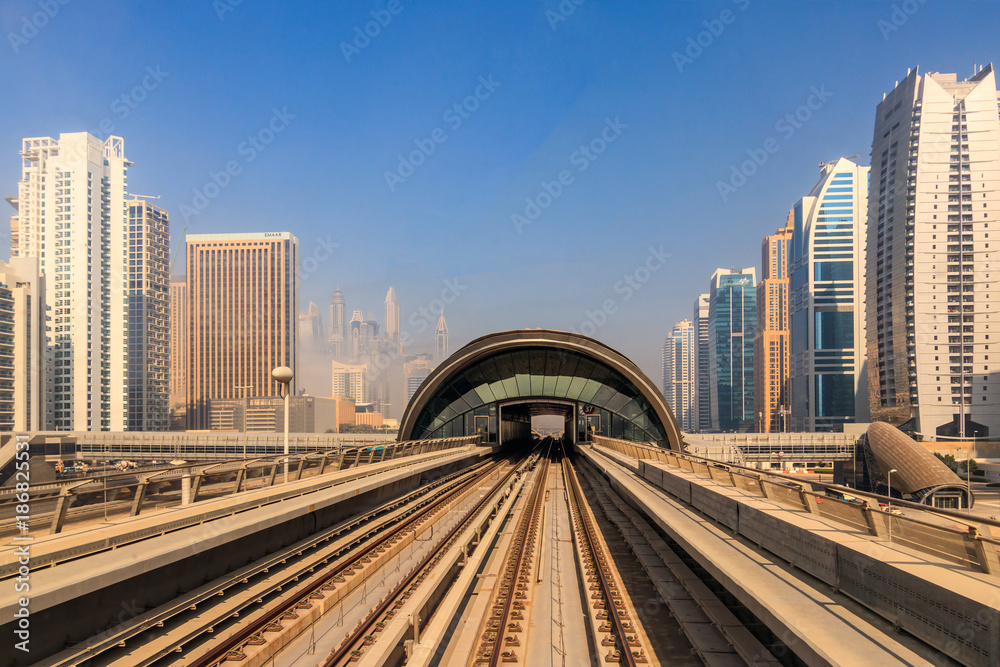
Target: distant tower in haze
{"x":357,"y":324}
{"x":337,"y":331}
{"x":392,"y":318}
{"x":441,"y":340}
{"x":311,"y":329}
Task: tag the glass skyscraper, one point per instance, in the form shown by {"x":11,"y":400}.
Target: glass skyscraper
{"x":732,"y":326}
{"x":829,"y":384}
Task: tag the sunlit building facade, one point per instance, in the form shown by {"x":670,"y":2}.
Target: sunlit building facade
{"x":679,"y":373}
{"x":829,"y":383}
{"x":148,"y":317}
{"x":242,"y":315}
{"x":771,"y":342}
{"x":72,"y":215}
{"x":935,"y":193}
{"x":732,"y":326}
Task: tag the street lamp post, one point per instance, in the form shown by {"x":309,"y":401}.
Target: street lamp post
{"x":283,"y":375}
{"x":246,"y":409}
{"x":968,"y":480}
{"x":889,"y":485}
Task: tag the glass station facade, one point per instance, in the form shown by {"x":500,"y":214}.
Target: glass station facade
{"x":600,"y":399}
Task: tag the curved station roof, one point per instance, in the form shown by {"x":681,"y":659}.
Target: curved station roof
{"x":539,"y":371}
{"x":916,"y":471}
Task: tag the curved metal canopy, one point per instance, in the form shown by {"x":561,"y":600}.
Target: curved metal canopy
{"x":543,"y":366}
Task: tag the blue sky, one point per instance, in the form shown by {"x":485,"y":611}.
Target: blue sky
{"x":612,"y":98}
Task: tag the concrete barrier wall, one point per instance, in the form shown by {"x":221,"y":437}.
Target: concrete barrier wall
{"x":722,"y":508}
{"x":962,"y":628}
{"x":802,"y":548}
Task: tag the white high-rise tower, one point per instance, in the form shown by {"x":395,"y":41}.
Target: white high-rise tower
{"x":441,"y":341}
{"x":392,"y":318}
{"x":72,"y":215}
{"x":935,"y":191}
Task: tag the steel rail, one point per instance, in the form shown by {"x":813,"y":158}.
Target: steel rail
{"x":342,"y":653}
{"x":217,"y":655}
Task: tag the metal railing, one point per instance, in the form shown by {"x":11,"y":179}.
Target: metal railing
{"x":973,"y":546}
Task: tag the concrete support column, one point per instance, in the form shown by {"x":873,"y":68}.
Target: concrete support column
{"x":140,"y":495}
{"x":59,"y":516}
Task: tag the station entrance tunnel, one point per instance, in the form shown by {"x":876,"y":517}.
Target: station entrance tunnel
{"x":494,"y":386}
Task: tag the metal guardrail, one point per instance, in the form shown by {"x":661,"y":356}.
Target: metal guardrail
{"x":237,"y":471}
{"x":974,"y":547}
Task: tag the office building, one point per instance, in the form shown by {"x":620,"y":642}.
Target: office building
{"x":441,"y":341}
{"x":392,"y":320}
{"x":350,"y":381}
{"x":311,"y":335}
{"x":934,"y":195}
{"x":148,"y":317}
{"x":242,"y":309}
{"x":703,"y":391}
{"x":73,"y":216}
{"x":178,"y":353}
{"x":337,"y":329}
{"x":771,"y":342}
{"x":829,"y":377}
{"x":679,"y":375}
{"x":732,"y":326}
{"x":25,"y":374}
{"x":415,"y":372}
{"x":357,"y":326}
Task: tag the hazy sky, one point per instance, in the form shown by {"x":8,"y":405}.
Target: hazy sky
{"x":579,"y":172}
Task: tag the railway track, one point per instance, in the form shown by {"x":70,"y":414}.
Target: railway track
{"x":180,"y":626}
{"x":609,"y":613}
{"x":366,"y":632}
{"x":501,"y":636}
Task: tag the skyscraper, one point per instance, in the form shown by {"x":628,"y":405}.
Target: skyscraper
{"x":72,"y":215}
{"x":415,"y":372}
{"x":351,"y":381}
{"x":441,"y":341}
{"x":771,"y":342}
{"x":148,"y":317}
{"x":829,"y":383}
{"x":25,"y":374}
{"x":178,"y":352}
{"x":703,"y":393}
{"x":242,"y":308}
{"x":732,"y":325}
{"x":337,"y":331}
{"x":679,"y":381}
{"x":935,"y":191}
{"x":357,"y":327}
{"x":392,"y":320}
{"x":311,"y":335}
